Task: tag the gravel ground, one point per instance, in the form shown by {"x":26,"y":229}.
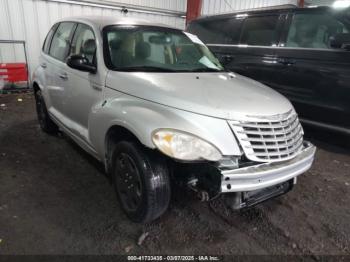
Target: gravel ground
{"x":55,"y":199}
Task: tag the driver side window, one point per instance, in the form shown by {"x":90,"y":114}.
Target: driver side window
{"x":84,"y":43}
{"x":314,"y":30}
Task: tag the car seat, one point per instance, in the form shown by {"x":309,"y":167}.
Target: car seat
{"x":142,"y":52}
{"x":89,"y":49}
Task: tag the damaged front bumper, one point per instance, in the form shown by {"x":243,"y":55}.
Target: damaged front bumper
{"x":266,"y":175}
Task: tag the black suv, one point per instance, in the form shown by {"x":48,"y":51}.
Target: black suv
{"x":304,"y":53}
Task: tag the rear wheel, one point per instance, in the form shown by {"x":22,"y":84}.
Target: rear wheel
{"x":141,"y":181}
{"x":46,"y":124}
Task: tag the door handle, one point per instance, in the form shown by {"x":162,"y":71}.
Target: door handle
{"x":286,"y":61}
{"x":96,"y":87}
{"x":43,"y":65}
{"x":63,"y":76}
{"x":227,"y":58}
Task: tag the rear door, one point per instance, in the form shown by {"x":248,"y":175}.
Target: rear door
{"x":46,"y":66}
{"x":244,"y":43}
{"x":314,"y":76}
{"x":56,"y":68}
{"x":259,"y":37}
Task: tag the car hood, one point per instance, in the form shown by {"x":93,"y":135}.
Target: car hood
{"x":221,"y":95}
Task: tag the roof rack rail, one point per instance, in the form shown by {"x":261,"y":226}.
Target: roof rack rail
{"x":265,"y":8}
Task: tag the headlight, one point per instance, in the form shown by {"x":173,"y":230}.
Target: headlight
{"x":184,"y":146}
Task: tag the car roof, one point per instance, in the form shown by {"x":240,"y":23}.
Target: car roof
{"x":102,"y":21}
{"x":265,"y":10}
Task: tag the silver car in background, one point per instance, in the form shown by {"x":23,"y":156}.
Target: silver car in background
{"x":155,"y":106}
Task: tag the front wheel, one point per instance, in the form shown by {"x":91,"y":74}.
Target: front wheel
{"x":141,"y":180}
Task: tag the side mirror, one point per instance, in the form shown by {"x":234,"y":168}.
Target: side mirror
{"x":340,"y":41}
{"x":81,"y":63}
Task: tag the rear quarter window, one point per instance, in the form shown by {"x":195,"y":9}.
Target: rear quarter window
{"x":217,"y":31}
{"x":47,"y":42}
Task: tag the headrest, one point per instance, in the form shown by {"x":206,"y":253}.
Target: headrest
{"x":142,"y":50}
{"x":89,"y":47}
{"x":115,"y":44}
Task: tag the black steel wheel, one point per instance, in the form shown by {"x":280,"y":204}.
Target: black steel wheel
{"x":129,"y":182}
{"x":141,"y":181}
{"x":46,"y":124}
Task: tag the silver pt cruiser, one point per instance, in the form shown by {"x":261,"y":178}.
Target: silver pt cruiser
{"x":156,"y":107}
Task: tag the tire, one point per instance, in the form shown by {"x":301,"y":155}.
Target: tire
{"x":46,"y":124}
{"x":141,"y":180}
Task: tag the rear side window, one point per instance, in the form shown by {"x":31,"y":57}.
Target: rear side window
{"x":48,"y":38}
{"x":60,"y":44}
{"x":315,"y":30}
{"x":218,"y":31}
{"x":260,"y":31}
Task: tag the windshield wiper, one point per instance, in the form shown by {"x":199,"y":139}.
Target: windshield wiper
{"x":144,"y":69}
{"x":206,"y":70}
{"x":162,"y":69}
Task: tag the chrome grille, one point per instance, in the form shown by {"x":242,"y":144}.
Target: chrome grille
{"x":265,"y":140}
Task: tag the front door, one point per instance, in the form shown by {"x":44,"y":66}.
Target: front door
{"x":312,"y":74}
{"x":84,"y":90}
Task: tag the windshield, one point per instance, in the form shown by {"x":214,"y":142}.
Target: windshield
{"x":156,"y":49}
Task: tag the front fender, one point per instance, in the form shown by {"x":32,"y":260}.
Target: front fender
{"x":142,"y":117}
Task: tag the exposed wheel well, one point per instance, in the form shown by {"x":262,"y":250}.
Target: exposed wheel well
{"x":114,"y":135}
